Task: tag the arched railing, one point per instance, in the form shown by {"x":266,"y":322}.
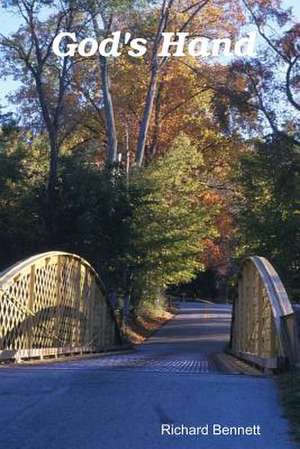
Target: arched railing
{"x":264,"y":325}
{"x":53,"y":304}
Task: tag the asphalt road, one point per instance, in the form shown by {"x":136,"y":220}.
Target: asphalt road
{"x":121,"y":401}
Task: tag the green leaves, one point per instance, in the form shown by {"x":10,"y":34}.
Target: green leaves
{"x":141,"y":235}
{"x":171,"y":223}
{"x":268,"y":199}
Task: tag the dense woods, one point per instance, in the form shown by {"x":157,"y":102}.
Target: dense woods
{"x":154,"y":169}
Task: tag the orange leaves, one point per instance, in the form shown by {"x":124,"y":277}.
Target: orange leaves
{"x":211,"y":198}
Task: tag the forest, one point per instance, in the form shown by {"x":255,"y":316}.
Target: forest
{"x":162,"y":172}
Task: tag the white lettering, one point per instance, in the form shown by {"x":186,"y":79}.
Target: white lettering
{"x":138,"y":47}
{"x":165,"y":428}
{"x":110,"y":45}
{"x":217,"y":429}
{"x":173,"y":44}
{"x":199,"y":47}
{"x":70,"y":47}
{"x":168,"y":43}
{"x":246,"y":45}
{"x":218,"y":44}
{"x":88,"y":47}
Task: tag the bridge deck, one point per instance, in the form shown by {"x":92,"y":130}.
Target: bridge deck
{"x":121,"y":401}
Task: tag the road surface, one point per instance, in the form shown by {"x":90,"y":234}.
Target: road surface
{"x":122,"y":401}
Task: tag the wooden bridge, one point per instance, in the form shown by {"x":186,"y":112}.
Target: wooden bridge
{"x":264,"y":328}
{"x":55,"y":304}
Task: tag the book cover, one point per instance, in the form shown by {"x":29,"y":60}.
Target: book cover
{"x":149,"y":224}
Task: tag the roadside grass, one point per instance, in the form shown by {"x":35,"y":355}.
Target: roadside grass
{"x":289,"y":386}
{"x":147,"y":320}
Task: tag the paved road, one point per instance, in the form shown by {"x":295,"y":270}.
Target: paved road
{"x":121,"y":402}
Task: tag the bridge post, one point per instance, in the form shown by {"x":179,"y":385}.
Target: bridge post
{"x":30,"y":304}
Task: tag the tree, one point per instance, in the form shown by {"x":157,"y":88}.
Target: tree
{"x":285,"y":47}
{"x":185,"y":17}
{"x":171,"y":222}
{"x":28,"y":56}
{"x":23,"y":166}
{"x":267,"y":180}
{"x":165,"y":211}
{"x":142,"y":235}
{"x":106,"y":11}
{"x":263,"y":93}
{"x":193,"y":17}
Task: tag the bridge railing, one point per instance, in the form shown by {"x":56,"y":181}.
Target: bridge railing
{"x":264,"y":326}
{"x":54,"y":304}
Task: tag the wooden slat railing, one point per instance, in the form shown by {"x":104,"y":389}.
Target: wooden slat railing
{"x":54,"y":304}
{"x":264,"y":326}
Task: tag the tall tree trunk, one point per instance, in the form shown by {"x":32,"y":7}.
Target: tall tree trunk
{"x":53,"y":162}
{"x":155,"y":68}
{"x":140,"y":150}
{"x":51,"y":187}
{"x":157,"y":122}
{"x":111,"y":132}
{"x":109,"y":112}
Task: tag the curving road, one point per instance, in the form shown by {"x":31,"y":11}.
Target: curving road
{"x":122,"y":401}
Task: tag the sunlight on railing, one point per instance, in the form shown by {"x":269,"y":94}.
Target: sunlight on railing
{"x":53,"y":304}
{"x":264,"y":327}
